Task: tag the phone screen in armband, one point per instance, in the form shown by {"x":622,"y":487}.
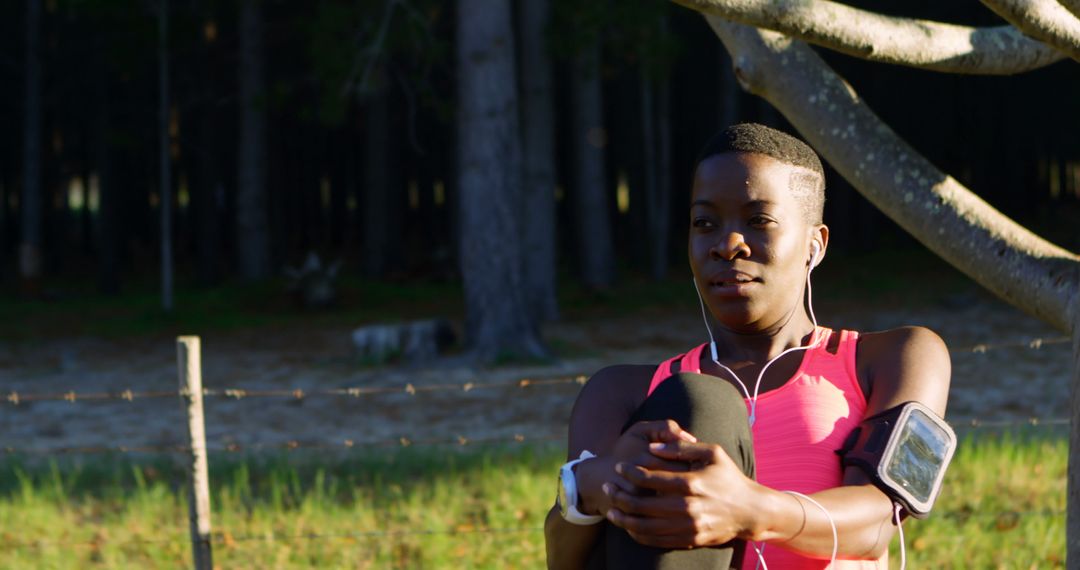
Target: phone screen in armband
{"x":906,"y":451}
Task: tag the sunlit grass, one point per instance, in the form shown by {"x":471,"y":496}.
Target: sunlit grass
{"x":433,"y":507}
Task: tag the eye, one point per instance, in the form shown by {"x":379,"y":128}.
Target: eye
{"x":703,"y":223}
{"x":760,"y":221}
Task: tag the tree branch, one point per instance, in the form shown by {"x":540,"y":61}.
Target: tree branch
{"x":998,"y":253}
{"x":924,"y":44}
{"x":1045,"y":20}
{"x":1072,"y":6}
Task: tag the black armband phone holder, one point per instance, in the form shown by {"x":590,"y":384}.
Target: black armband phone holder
{"x":905,"y":450}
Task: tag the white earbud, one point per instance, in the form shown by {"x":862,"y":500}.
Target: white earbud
{"x":815,"y":249}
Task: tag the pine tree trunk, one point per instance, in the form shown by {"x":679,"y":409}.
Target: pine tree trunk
{"x":498,"y":322}
{"x":31,"y":199}
{"x":252,"y":225}
{"x":590,"y":180}
{"x":538,"y":126}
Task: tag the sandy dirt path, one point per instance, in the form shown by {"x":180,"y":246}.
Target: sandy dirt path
{"x":1002,"y":384}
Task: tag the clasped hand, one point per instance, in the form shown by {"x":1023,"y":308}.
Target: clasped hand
{"x":670,"y":491}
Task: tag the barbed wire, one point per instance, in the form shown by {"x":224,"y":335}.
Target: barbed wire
{"x":15,"y":398}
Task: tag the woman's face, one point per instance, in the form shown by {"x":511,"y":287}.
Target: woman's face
{"x":750,"y":240}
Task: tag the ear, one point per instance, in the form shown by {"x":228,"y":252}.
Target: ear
{"x":819,"y":241}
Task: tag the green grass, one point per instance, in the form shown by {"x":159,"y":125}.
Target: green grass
{"x":1001,"y":509}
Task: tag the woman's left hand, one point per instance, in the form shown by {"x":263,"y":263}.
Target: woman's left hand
{"x":711,"y":504}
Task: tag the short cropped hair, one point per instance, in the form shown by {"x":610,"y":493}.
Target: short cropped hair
{"x":808,"y":189}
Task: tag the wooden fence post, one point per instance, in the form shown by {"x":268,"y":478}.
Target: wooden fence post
{"x":189,"y":361}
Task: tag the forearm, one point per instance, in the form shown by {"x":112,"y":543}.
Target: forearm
{"x":862,"y":514}
{"x":568,"y":545}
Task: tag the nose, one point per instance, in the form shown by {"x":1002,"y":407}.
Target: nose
{"x":730,"y":247}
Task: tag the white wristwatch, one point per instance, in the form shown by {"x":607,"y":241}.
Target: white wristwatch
{"x":568,"y":494}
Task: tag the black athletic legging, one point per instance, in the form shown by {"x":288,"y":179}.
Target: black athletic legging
{"x":715,"y":412}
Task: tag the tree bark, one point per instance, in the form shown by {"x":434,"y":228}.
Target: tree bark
{"x":934,"y":46}
{"x":31,"y":222}
{"x":592,"y":202}
{"x":252,"y":226}
{"x":998,"y":253}
{"x":498,"y":321}
{"x":1072,"y":6}
{"x":538,"y":130}
{"x":1045,"y":20}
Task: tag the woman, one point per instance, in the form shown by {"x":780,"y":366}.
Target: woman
{"x":677,"y":446}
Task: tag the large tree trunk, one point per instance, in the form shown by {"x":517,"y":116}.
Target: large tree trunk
{"x":592,"y":201}
{"x":252,"y":226}
{"x":31,"y":230}
{"x":538,"y":127}
{"x":498,"y":321}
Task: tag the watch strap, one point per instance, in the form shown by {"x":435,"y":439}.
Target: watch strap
{"x":568,"y":480}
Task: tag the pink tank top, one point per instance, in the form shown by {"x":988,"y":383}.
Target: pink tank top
{"x":799,"y":427}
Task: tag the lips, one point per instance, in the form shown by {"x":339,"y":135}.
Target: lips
{"x":733,"y":283}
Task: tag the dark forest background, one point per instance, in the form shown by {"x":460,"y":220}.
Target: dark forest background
{"x":359,"y":163}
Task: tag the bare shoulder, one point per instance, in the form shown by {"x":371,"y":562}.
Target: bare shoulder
{"x":903,"y":364}
{"x":623,"y":386}
{"x":605,"y":404}
{"x":888,"y":344}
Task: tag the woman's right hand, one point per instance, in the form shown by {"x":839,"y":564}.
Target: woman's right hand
{"x":631,"y":447}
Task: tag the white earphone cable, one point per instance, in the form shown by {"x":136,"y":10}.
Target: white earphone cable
{"x":757,"y":384}
{"x":760,"y":550}
{"x":900,"y":528}
{"x":832,"y":524}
